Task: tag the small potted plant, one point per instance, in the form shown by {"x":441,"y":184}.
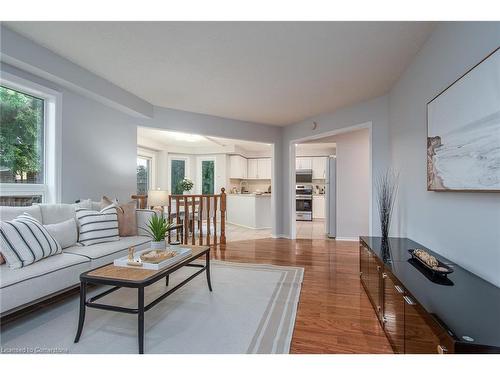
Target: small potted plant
{"x":186,"y":185}
{"x":157,"y":229}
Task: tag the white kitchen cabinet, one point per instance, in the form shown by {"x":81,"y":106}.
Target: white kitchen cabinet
{"x":259,"y":168}
{"x":303,"y":163}
{"x":264,"y":168}
{"x":252,"y":168}
{"x":319,"y":167}
{"x":319,"y":208}
{"x":238,"y":167}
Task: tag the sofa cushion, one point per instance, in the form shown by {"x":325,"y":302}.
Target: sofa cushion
{"x":10,"y":213}
{"x":56,"y":213}
{"x":102,"y":250}
{"x":127,"y":220}
{"x":97,"y":226}
{"x":49,"y":275}
{"x":24,"y":241}
{"x":65,"y":232}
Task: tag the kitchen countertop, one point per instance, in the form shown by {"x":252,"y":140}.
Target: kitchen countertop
{"x":250,"y":195}
{"x":465,"y":303}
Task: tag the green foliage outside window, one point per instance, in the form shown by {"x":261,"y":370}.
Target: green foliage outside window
{"x":21,"y":137}
{"x":207,"y":176}
{"x":177,"y":174}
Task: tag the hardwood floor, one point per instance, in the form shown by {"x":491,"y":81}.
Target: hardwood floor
{"x":334,"y":315}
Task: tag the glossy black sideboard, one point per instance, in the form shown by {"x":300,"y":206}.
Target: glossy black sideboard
{"x":424,"y":313}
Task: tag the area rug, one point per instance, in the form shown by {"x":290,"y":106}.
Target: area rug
{"x":252,"y":309}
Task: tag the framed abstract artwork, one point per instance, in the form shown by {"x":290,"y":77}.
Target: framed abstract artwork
{"x":463,"y":131}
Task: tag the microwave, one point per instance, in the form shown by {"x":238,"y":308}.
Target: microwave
{"x":303,"y":175}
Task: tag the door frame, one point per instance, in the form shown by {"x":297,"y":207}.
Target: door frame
{"x":291,"y":178}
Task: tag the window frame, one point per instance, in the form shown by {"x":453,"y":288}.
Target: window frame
{"x":50,"y":190}
{"x":185,"y":159}
{"x":150,"y":155}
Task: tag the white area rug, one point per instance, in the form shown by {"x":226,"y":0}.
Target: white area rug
{"x":252,"y":309}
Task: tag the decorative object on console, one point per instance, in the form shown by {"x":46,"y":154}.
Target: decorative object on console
{"x":463,"y":131}
{"x":430,"y":262}
{"x":157,"y":230}
{"x":387,"y":190}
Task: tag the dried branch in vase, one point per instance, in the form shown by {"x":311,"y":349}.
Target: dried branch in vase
{"x":387,"y":184}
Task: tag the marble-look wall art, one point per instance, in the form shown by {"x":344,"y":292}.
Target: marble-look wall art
{"x":463,"y":131}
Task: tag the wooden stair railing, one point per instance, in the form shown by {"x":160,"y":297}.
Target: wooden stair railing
{"x":142,"y":200}
{"x":191,"y":210}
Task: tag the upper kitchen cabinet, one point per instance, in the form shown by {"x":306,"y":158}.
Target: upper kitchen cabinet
{"x":259,"y":168}
{"x":303,"y":163}
{"x":264,"y":168}
{"x":252,"y":168}
{"x":319,"y":168}
{"x":238,"y":167}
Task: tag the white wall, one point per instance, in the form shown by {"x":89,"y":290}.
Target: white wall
{"x":374,"y":111}
{"x":464,"y":227}
{"x":353,"y":183}
{"x":98,"y":146}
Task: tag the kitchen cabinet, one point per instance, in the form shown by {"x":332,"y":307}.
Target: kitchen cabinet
{"x":237,"y":167}
{"x":259,"y":168}
{"x":264,"y":168}
{"x":252,"y":169}
{"x":319,"y":207}
{"x":319,"y":167}
{"x":303,"y":163}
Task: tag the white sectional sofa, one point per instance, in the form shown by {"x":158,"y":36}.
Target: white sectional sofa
{"x":58,"y":273}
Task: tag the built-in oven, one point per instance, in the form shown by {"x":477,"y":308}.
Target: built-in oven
{"x":303,"y":202}
{"x":303,"y":176}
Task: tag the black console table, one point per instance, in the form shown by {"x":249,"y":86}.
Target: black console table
{"x":424,"y":313}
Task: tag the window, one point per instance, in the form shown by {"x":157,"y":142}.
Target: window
{"x":207,"y":176}
{"x":29,"y":142}
{"x":177,"y":174}
{"x":143,"y":175}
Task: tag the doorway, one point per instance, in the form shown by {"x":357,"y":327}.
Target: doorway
{"x":340,"y":168}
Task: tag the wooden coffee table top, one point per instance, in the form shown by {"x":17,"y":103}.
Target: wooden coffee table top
{"x":137,"y":275}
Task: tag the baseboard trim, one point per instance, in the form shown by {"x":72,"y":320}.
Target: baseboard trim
{"x":347,"y":238}
{"x":281,"y":236}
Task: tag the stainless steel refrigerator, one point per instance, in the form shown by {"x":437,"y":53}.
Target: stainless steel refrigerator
{"x":331,"y":197}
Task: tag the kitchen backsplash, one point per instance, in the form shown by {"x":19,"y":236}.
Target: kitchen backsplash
{"x":251,"y":185}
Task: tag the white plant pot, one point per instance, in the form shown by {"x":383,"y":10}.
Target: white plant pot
{"x":158,"y":245}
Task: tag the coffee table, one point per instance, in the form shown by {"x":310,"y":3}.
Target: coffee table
{"x":138,"y":278}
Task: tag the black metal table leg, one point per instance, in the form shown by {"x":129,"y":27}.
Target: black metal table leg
{"x":81,"y":318}
{"x":140,"y":320}
{"x":207,"y":271}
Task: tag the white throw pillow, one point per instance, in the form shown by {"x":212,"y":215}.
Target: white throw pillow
{"x":24,"y":241}
{"x":97,"y":226}
{"x":65,"y":232}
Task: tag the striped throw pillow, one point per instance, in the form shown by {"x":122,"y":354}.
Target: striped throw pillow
{"x":24,"y":241}
{"x":97,"y":226}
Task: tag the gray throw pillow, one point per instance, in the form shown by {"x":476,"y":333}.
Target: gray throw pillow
{"x":65,"y":232}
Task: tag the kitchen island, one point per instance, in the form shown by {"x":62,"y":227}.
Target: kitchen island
{"x":249,"y":210}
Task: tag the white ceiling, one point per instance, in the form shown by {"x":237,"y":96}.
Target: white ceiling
{"x":159,"y":139}
{"x":268,"y":72}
